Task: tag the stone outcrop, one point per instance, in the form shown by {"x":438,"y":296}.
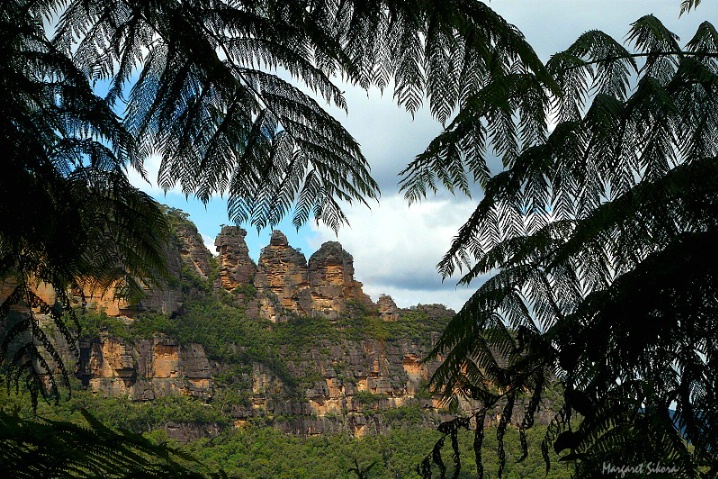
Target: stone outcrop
{"x":281,"y":280}
{"x":387,"y":308}
{"x":331,"y":280}
{"x":192,"y":251}
{"x":236,"y":268}
{"x":185,"y":249}
{"x":352,"y":380}
{"x":284,"y":282}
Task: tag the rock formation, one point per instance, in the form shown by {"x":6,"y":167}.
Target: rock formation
{"x":281,"y":280}
{"x":387,"y":308}
{"x":165,"y":297}
{"x":145,"y":369}
{"x":235,"y":266}
{"x":192,"y":251}
{"x":285,"y":283}
{"x":281,"y":284}
{"x":354,"y":380}
{"x":331,"y":280}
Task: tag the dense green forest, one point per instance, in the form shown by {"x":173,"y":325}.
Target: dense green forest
{"x":258,"y":451}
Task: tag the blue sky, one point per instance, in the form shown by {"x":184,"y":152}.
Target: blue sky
{"x":396,"y":247}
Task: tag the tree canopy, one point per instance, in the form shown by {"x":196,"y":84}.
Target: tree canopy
{"x":598,"y":237}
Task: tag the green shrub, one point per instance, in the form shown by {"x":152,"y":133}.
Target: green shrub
{"x":93,"y":322}
{"x":366,"y":398}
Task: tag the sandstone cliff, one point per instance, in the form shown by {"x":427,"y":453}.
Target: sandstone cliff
{"x":282,"y":280}
{"x":323,"y":387}
{"x":331,"y":281}
{"x":192,"y":251}
{"x":145,"y":369}
{"x":387,"y":308}
{"x":365,"y":360}
{"x":283,"y":283}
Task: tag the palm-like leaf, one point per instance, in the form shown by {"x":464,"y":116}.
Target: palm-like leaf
{"x":66,"y":207}
{"x":55,"y":449}
{"x":597,"y":239}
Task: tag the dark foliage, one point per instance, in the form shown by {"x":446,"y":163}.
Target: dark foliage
{"x":39,"y":449}
{"x":598,"y":240}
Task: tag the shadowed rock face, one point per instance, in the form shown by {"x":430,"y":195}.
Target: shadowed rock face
{"x":192,"y":250}
{"x":184,"y":249}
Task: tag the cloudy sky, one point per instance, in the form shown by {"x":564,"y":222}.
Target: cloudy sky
{"x":396,"y":247}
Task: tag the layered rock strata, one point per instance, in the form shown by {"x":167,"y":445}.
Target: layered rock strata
{"x":282,"y":280}
{"x":331,"y":280}
{"x":145,"y":369}
{"x":192,"y":251}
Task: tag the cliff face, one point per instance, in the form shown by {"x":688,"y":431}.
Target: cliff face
{"x":332,"y":386}
{"x":342,"y":387}
{"x":191,"y":249}
{"x":144,"y":370}
{"x":281,"y":280}
{"x":329,"y":388}
{"x":185,"y":248}
{"x":350,"y":382}
{"x":284,"y":282}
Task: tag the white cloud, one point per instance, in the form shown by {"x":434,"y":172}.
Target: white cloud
{"x":209,"y":243}
{"x":396,"y":248}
